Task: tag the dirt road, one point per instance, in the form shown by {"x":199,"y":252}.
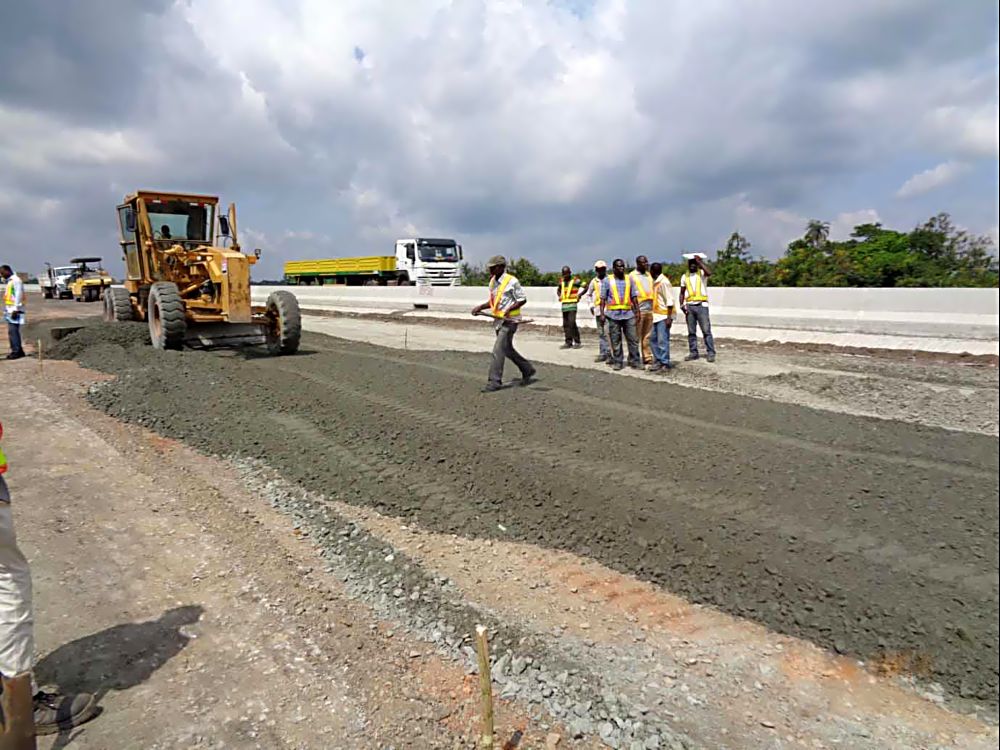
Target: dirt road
{"x":875,"y":539}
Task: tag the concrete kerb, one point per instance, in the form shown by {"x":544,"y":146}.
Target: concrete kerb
{"x":900,"y":319}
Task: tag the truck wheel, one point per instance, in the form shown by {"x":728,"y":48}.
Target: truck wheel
{"x":167,"y":325}
{"x":403,"y":280}
{"x":46,"y":294}
{"x":117,"y":305}
{"x":284,"y":329}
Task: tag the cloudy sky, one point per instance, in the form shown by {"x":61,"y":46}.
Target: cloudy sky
{"x":561,"y":130}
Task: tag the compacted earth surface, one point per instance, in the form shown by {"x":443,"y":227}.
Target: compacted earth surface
{"x":657,"y":565}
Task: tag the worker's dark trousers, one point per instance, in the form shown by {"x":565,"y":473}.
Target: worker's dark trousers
{"x":697,"y":317}
{"x":617,"y":329}
{"x":503,"y":348}
{"x":14,"y":333}
{"x":570,"y":329}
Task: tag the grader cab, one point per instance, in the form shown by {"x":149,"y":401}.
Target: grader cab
{"x":186,"y":275}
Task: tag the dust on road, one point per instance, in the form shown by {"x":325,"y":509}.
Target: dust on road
{"x":872,"y":538}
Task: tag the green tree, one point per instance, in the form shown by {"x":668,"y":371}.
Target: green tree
{"x":817,"y":232}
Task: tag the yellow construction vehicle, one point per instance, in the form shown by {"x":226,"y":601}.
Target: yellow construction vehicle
{"x":187,"y":277}
{"x":88,"y":284}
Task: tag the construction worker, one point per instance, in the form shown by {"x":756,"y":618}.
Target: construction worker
{"x":663,"y":319}
{"x":694,"y":303}
{"x":507,"y":297}
{"x":593,"y":295}
{"x":642,"y":280}
{"x":27,"y":711}
{"x":13,"y":309}
{"x":619,"y":307}
{"x":570,"y":290}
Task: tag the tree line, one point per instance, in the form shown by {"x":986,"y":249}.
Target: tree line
{"x":934,"y":254}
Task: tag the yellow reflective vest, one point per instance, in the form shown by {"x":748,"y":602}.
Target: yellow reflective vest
{"x":644,"y":285}
{"x":497,"y":288}
{"x":567,"y":291}
{"x":616,"y":302}
{"x":694,"y":285}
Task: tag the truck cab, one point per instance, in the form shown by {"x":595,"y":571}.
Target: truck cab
{"x":427,"y":261}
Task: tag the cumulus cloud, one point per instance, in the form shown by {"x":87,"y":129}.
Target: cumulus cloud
{"x":931,"y":179}
{"x":553,"y":130}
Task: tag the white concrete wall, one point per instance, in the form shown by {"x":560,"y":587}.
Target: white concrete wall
{"x":950,"y":314}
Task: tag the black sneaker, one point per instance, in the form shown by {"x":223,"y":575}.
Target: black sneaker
{"x":690,"y":357}
{"x":490,"y":388}
{"x":15,"y":355}
{"x":55,"y":712}
{"x":529,"y":378}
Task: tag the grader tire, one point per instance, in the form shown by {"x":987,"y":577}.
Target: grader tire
{"x":167,"y":325}
{"x":284,"y":323}
{"x":117,"y":305}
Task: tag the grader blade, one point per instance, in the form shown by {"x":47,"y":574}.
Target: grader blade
{"x":215,"y":335}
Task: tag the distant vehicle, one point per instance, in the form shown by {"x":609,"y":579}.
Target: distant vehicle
{"x":54,"y":282}
{"x":418,"y":261}
{"x":87,"y":283}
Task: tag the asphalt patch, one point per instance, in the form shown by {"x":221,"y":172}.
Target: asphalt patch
{"x":874,"y":538}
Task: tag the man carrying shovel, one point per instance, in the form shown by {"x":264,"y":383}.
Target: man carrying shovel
{"x":507,"y":297}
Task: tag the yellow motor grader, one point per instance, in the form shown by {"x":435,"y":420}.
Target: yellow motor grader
{"x":186,"y":275}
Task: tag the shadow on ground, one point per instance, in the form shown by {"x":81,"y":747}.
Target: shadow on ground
{"x":118,"y":658}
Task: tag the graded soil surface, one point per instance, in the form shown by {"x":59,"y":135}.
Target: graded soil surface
{"x":871,"y":537}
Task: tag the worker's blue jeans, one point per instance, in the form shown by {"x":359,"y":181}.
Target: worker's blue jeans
{"x":659,"y":340}
{"x":697,"y":317}
{"x":14,"y":334}
{"x":602,"y":336}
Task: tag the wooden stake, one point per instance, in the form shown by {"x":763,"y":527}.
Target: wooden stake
{"x":39,"y":355}
{"x":486,"y":688}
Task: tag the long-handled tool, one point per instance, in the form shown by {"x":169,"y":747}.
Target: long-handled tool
{"x":517,"y":319}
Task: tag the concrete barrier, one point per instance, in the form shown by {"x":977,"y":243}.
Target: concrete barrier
{"x":949,"y":320}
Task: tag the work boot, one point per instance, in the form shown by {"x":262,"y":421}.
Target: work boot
{"x":690,"y":357}
{"x":15,"y":355}
{"x":529,"y":377}
{"x":490,"y":388}
{"x":55,"y":712}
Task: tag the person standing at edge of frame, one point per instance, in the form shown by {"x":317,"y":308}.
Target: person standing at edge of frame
{"x":569,"y":293}
{"x":507,"y":297}
{"x":694,"y":303}
{"x":13,"y":309}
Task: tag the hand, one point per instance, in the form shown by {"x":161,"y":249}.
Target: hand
{"x":476,"y":310}
{"x":684,"y":309}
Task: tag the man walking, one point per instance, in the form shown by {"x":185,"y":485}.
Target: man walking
{"x":13,"y":309}
{"x":694,"y":303}
{"x":619,"y":304}
{"x":663,"y":318}
{"x":569,"y":292}
{"x":594,"y":298}
{"x":507,"y":297}
{"x":642,"y":280}
{"x":27,"y":711}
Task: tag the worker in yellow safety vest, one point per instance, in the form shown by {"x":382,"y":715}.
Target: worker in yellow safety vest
{"x":13,"y":309}
{"x":663,"y":318}
{"x":507,"y":297}
{"x":570,"y":290}
{"x":694,"y":303}
{"x":27,"y":710}
{"x":642,"y":280}
{"x":593,"y":295}
{"x":619,"y":305}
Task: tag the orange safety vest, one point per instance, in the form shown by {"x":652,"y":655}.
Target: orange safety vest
{"x":566,"y":290}
{"x":645,"y":292}
{"x":617,"y":302}
{"x":496,"y":294}
{"x":695,"y":285}
{"x":656,"y":300}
